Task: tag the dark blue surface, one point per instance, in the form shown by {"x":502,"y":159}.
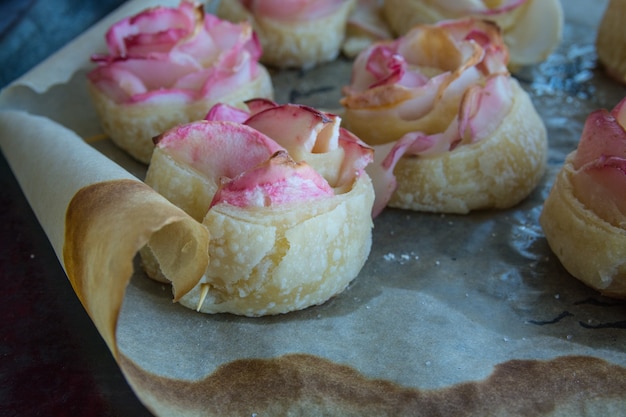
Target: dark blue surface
{"x":53,"y":362}
{"x":31,"y":30}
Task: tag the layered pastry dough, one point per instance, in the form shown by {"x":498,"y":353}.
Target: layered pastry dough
{"x":366,"y":25}
{"x":293,"y":33}
{"x":498,"y":171}
{"x":170,"y":65}
{"x":283,"y":193}
{"x":611,"y":40}
{"x":453,"y":132}
{"x":532,"y":28}
{"x":584,"y":216}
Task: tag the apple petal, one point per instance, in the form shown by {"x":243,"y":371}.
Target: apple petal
{"x":420,"y":82}
{"x":278,"y":181}
{"x":162,"y":26}
{"x":226,"y":113}
{"x":529,"y":46}
{"x":601,"y":187}
{"x":599,"y":176}
{"x":176,"y":51}
{"x":217,"y":149}
{"x":380,"y":171}
{"x":531,"y":29}
{"x":119,"y":83}
{"x":412,"y":144}
{"x":257,"y":105}
{"x":299,"y":129}
{"x":602,"y":136}
{"x":611,"y":172}
{"x":484,"y":108}
{"x":307,"y":135}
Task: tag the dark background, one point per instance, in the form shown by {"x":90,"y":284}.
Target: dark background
{"x":53,"y":362}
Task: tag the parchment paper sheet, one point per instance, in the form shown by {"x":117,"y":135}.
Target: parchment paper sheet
{"x":449,"y":315}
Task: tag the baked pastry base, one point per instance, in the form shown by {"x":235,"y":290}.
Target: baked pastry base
{"x":611,"y":41}
{"x":267,"y":261}
{"x":589,"y":248}
{"x":132,"y":126}
{"x":496,"y":172}
{"x":294,"y":44}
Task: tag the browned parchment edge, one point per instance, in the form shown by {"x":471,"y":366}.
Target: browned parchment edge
{"x":307,"y":385}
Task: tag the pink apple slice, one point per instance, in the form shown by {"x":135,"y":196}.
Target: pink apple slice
{"x":601,"y":187}
{"x":217,"y":149}
{"x":307,"y":134}
{"x":277,"y":181}
{"x":602,"y":135}
{"x":599,"y":179}
{"x":189,"y":161}
{"x":258,"y":104}
{"x":300,"y":129}
{"x":223,"y":112}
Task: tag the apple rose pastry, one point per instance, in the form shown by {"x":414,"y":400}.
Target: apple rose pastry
{"x":365,"y":26}
{"x":453,"y":132}
{"x":284,"y":195}
{"x":170,"y":65}
{"x":293,"y":33}
{"x":532,"y":29}
{"x":611,"y":40}
{"x":584,"y":216}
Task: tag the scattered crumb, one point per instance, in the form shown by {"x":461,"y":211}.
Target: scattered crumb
{"x":389,"y":257}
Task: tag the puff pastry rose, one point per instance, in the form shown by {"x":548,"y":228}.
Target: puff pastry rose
{"x":166,"y":66}
{"x":293,"y":33}
{"x":453,"y":132}
{"x":611,"y":40}
{"x":532,"y":29}
{"x":584,"y":216}
{"x":284,"y":195}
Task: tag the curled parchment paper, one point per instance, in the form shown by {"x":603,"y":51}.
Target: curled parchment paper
{"x":452,"y":314}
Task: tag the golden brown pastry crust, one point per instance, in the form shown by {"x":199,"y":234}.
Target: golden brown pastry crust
{"x":611,"y":40}
{"x":275,"y":260}
{"x":132,"y":126}
{"x":294,"y":44}
{"x":181,"y":184}
{"x":495,"y":172}
{"x":591,"y":249}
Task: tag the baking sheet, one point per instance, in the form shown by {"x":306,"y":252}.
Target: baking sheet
{"x":442,"y":300}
